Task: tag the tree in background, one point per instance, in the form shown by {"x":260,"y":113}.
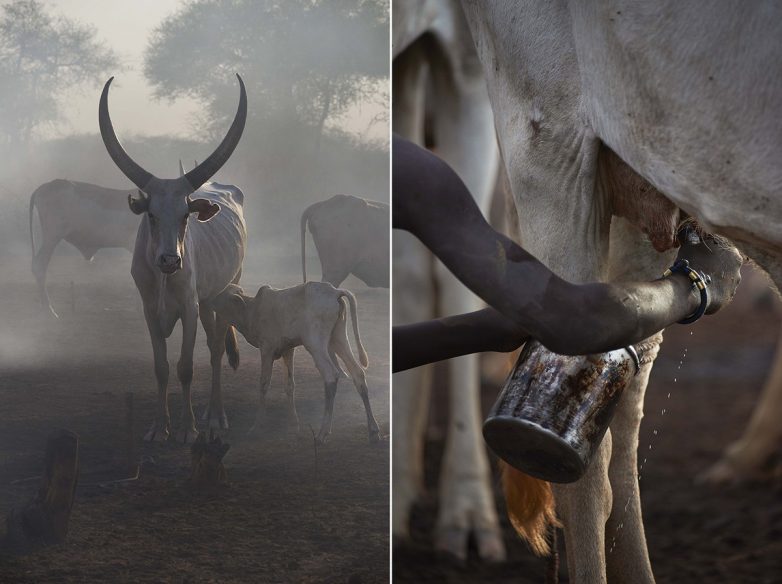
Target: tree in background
{"x":305,"y":64}
{"x":304,"y":61}
{"x":41,"y":57}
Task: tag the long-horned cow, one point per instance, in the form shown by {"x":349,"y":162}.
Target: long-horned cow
{"x":87,"y":216}
{"x":180,"y":266}
{"x":351,"y":236}
{"x":676,"y":98}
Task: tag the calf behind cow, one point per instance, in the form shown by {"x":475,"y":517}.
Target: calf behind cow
{"x":312,"y":315}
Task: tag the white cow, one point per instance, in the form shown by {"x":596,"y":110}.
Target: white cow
{"x":351,"y":236}
{"x":683,"y":94}
{"x":433,"y":54}
{"x":313,"y":315}
{"x":87,"y":216}
{"x":180,"y":266}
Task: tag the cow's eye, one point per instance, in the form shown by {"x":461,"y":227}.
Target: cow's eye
{"x":152,"y":217}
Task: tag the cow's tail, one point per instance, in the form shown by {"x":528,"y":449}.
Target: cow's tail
{"x":362,"y":354}
{"x":530,"y":505}
{"x":232,"y":347}
{"x":304,"y":218}
{"x":32,"y":208}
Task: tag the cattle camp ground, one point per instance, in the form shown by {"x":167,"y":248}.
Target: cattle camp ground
{"x":695,"y":531}
{"x":287,"y":513}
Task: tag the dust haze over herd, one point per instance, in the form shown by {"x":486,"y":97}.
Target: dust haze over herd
{"x":317,"y":87}
{"x":317,"y":125}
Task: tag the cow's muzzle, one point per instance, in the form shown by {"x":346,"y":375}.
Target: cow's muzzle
{"x":169,"y":263}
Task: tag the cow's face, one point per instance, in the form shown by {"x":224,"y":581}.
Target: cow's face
{"x":167,"y":202}
{"x":167,"y":212}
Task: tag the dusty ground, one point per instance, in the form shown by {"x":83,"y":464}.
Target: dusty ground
{"x":695,"y":533}
{"x":284,"y":517}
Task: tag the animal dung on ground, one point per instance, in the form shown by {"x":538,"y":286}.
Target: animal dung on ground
{"x":44,"y":519}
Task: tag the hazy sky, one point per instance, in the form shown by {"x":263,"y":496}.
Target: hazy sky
{"x":125,"y":26}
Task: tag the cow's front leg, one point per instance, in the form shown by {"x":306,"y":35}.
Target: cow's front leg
{"x":40,"y":264}
{"x":466,"y":498}
{"x":290,"y":391}
{"x":584,"y":507}
{"x":161,"y":426}
{"x":187,"y":432}
{"x":627,"y":559}
{"x":465,"y":138}
{"x":216,"y":329}
{"x":267,"y":365}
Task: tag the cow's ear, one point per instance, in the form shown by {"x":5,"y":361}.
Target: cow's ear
{"x":140,"y":205}
{"x":205,"y":209}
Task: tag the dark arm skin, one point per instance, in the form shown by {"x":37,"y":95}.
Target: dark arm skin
{"x":526,"y":299}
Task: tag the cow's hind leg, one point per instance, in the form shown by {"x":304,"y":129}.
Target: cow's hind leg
{"x":290,"y":390}
{"x":758,"y":453}
{"x":161,"y":426}
{"x":40,"y":265}
{"x":216,"y":329}
{"x":340,"y":345}
{"x":187,"y":432}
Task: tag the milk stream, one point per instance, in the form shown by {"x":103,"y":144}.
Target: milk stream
{"x":636,"y":484}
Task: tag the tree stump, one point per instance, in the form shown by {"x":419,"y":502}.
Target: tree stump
{"x":207,"y":461}
{"x":44,"y":519}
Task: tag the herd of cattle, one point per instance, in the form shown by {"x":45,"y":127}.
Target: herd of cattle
{"x":672,"y":104}
{"x":189,"y":269}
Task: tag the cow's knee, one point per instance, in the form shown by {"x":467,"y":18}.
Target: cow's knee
{"x":184,"y":370}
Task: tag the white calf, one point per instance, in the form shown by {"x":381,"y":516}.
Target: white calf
{"x":312,"y":315}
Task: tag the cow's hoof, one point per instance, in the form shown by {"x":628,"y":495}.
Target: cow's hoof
{"x":721,"y":473}
{"x":156,"y":433}
{"x":454,"y":542}
{"x":376,"y":438}
{"x":186,"y":435}
{"x":467,"y":509}
{"x":218,"y":422}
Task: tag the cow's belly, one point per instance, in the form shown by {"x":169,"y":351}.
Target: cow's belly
{"x":218,"y":247}
{"x":697,"y":118}
{"x":373,"y":273}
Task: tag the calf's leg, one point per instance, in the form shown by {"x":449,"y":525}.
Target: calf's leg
{"x":329,"y":373}
{"x":290,"y":389}
{"x":340,"y":345}
{"x":267,"y":365}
